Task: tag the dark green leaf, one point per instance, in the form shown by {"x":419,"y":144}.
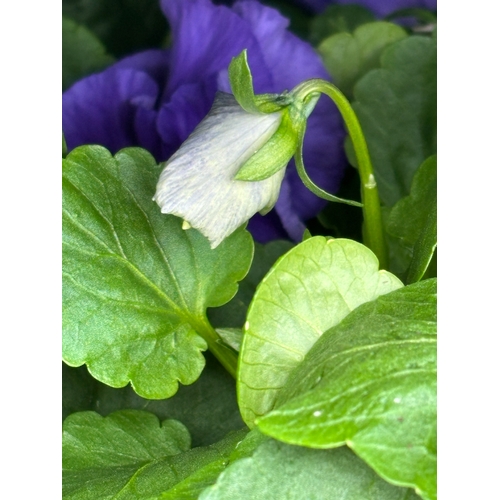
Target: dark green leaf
{"x":424,"y":249}
{"x":106,"y":456}
{"x":413,"y":220}
{"x":127,"y":455}
{"x":309,"y":290}
{"x":208,"y":408}
{"x":233,"y":314}
{"x":370,"y":383}
{"x":279,"y":471}
{"x":396,"y":106}
{"x":348,"y":57}
{"x":136,"y":285}
{"x":338,"y":19}
{"x":124,"y":26}
{"x":82,"y":53}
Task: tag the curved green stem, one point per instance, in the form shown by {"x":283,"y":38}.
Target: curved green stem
{"x":373,"y":233}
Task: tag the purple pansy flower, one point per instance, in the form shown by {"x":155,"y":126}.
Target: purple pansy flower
{"x":156,"y":98}
{"x":380,"y":8}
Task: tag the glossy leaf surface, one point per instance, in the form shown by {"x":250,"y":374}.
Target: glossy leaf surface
{"x":136,"y":285}
{"x":370,"y":383}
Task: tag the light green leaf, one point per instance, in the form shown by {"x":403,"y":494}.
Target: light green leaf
{"x":208,"y":408}
{"x":309,"y":290}
{"x":279,"y":471}
{"x":348,"y":57}
{"x":370,"y":383}
{"x":82,"y":53}
{"x":413,"y":220}
{"x":104,"y":456}
{"x":136,"y":285}
{"x":128,"y":456}
{"x":396,"y":107}
{"x":338,"y":19}
{"x":233,"y":314}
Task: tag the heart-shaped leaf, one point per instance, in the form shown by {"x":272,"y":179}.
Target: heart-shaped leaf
{"x":136,"y":285}
{"x":309,"y":290}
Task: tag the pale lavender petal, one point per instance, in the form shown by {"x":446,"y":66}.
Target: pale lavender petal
{"x":197,"y":182}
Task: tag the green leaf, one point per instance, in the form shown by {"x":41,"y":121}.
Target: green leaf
{"x":233,"y":314}
{"x":396,"y":106}
{"x":124,"y":26}
{"x":82,"y":53}
{"x":279,"y":471}
{"x":413,"y":220}
{"x":208,"y":408}
{"x":127,"y":455}
{"x":338,"y":19}
{"x":104,"y":456}
{"x":370,"y":383}
{"x":200,"y":468}
{"x":136,"y":285}
{"x":424,"y":249}
{"x":309,"y":290}
{"x":348,"y":57}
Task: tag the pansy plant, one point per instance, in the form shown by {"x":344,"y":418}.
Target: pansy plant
{"x":334,"y":352}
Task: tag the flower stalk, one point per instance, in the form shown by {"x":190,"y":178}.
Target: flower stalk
{"x":372,"y":232}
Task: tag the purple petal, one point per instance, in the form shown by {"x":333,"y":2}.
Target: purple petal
{"x":267,"y":228}
{"x":101,"y":108}
{"x":186,"y":108}
{"x":206,"y":38}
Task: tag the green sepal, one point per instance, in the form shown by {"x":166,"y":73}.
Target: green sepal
{"x":240,"y":79}
{"x":274,"y":155}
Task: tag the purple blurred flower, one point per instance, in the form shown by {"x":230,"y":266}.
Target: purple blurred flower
{"x":380,"y":8}
{"x":156,"y":98}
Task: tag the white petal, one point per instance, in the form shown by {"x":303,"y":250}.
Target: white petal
{"x":197,"y":182}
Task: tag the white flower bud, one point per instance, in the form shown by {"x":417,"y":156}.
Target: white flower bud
{"x":197,"y":183}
